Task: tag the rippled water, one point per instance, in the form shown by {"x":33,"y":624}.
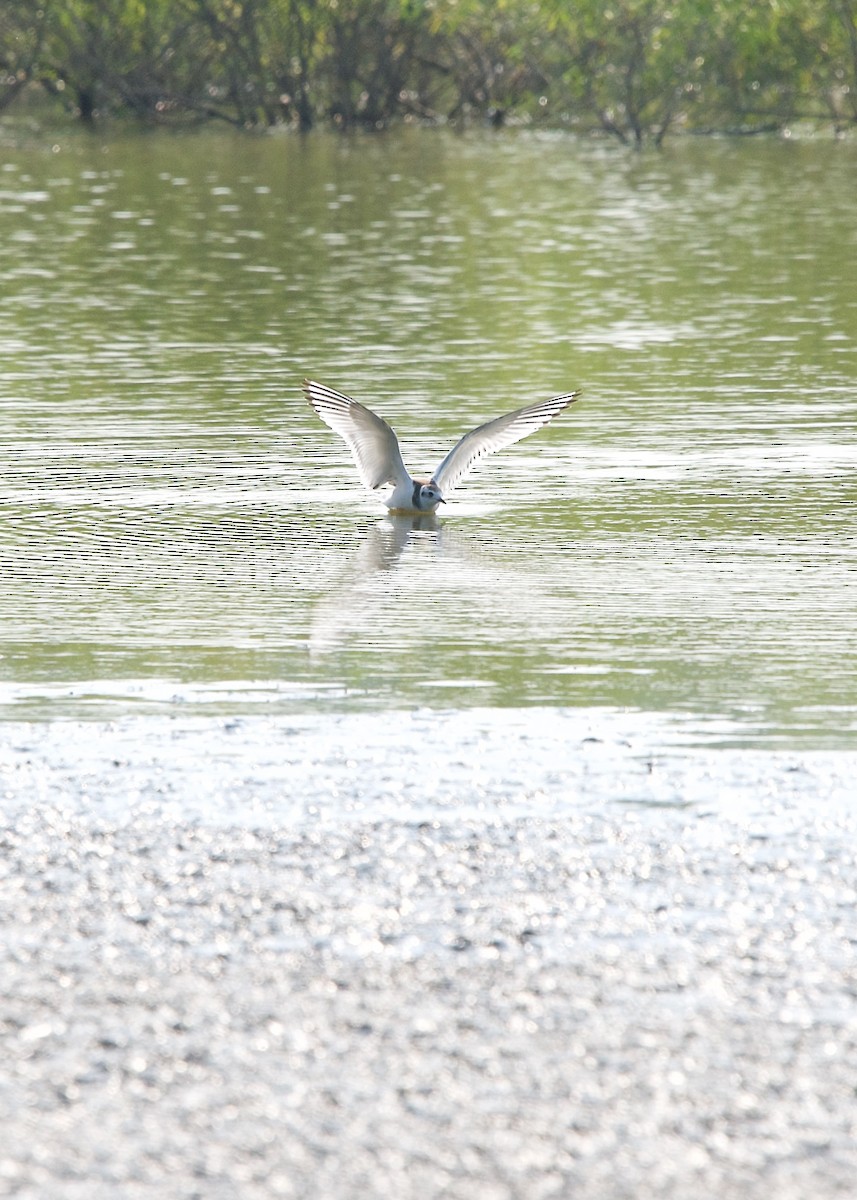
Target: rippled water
{"x":178,"y":530}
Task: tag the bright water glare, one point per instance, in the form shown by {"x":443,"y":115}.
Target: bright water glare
{"x":178,"y":531}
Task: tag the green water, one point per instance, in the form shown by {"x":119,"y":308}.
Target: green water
{"x":178,"y":529}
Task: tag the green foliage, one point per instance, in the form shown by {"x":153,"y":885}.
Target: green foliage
{"x":22,"y":34}
{"x":633,"y":64}
{"x":633,"y":68}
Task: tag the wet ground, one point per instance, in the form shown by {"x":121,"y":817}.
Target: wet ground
{"x":623,"y":973}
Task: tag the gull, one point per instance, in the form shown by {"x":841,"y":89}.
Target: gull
{"x":375,"y":447}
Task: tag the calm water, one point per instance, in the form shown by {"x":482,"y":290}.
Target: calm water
{"x":178,"y":531}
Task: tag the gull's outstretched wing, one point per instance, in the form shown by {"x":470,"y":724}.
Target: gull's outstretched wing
{"x":371,"y":441}
{"x":496,"y":435}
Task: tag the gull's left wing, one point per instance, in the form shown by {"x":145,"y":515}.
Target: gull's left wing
{"x":497,"y":435}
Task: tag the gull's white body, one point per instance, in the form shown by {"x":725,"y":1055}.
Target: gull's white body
{"x":375,"y":447}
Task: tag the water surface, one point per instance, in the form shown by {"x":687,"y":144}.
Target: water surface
{"x":178,"y":532}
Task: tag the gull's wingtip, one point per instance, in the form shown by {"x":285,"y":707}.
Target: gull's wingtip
{"x":557,"y":404}
{"x":313,"y":392}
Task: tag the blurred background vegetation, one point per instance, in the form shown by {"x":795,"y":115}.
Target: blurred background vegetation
{"x":637,"y":69}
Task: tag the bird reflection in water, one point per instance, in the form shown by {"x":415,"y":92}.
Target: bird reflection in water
{"x":352,"y":607}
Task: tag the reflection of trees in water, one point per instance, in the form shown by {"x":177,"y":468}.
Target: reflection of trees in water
{"x":634,"y":68}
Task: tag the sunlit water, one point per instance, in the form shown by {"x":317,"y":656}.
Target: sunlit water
{"x":180,"y":535}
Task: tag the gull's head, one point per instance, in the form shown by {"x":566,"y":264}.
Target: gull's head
{"x":429,"y":497}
